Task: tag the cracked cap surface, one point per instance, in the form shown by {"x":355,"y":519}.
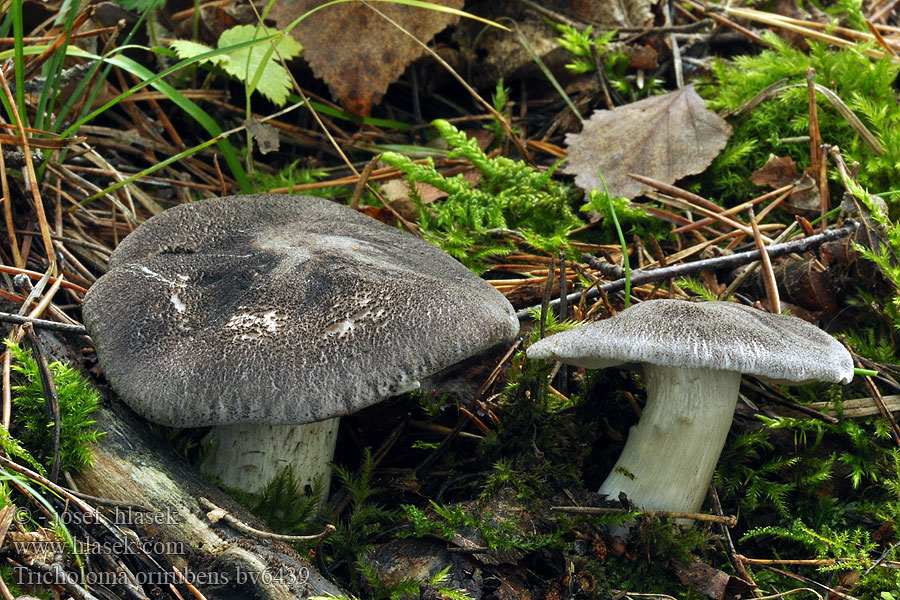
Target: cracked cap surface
{"x":281,"y":309}
{"x":704,"y":335}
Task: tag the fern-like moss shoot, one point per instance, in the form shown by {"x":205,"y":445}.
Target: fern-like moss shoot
{"x":77,"y":401}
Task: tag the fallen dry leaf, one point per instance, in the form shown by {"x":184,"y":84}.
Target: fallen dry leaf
{"x":622,"y":13}
{"x":777,"y":172}
{"x":781,"y":171}
{"x":357,"y":51}
{"x":705,"y":579}
{"x":663,"y":137}
{"x":265,"y":136}
{"x":398,"y":189}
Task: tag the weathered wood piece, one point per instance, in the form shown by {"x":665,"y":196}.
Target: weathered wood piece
{"x":132,"y":466}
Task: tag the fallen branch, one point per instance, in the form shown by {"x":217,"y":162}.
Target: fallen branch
{"x":720,"y":262}
{"x":131,"y":466}
{"x":727,"y":520}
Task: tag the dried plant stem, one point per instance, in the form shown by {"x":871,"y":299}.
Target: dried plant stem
{"x":190,"y":586}
{"x":771,"y":284}
{"x":815,"y":138}
{"x":880,"y":38}
{"x":879,"y":401}
{"x":724,"y":21}
{"x":7,"y":214}
{"x":697,"y":203}
{"x":802,"y":27}
{"x":729,"y":543}
{"x":813,"y":562}
{"x":504,"y":122}
{"x":780,"y":194}
{"x":32,"y":177}
{"x":216,"y":513}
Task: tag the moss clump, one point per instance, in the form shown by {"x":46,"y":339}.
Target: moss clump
{"x":77,"y":400}
{"x":473,"y":221}
{"x":864,"y":84}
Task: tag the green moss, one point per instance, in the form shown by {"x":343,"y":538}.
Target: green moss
{"x":77,"y":400}
{"x":510,"y":201}
{"x":293,"y":175}
{"x":283,"y":504}
{"x":864,"y":84}
{"x":616,"y":64}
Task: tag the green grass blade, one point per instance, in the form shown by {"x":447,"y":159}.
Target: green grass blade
{"x":150,"y":170}
{"x":416,"y":3}
{"x":51,"y":71}
{"x":155,"y":80}
{"x":625,"y":263}
{"x":19,"y":52}
{"x":79,"y":92}
{"x":340,"y":114}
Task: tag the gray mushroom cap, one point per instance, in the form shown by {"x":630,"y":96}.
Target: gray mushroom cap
{"x":280,"y":309}
{"x":704,"y":335}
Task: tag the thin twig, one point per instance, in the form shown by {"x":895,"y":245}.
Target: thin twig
{"x":806,"y":409}
{"x":32,"y":176}
{"x":719,"y":262}
{"x":768,"y":273}
{"x":51,"y":398}
{"x":724,"y":21}
{"x":809,"y":581}
{"x":504,"y":122}
{"x":729,"y":543}
{"x":548,"y":291}
{"x":43,"y":324}
{"x":727,"y":520}
{"x":815,"y":138}
{"x":191,"y":587}
{"x":216,"y":514}
{"x":877,"y":399}
{"x":784,"y":191}
{"x":363,"y":181}
{"x":810,"y":562}
{"x":698,"y":203}
{"x":676,"y":50}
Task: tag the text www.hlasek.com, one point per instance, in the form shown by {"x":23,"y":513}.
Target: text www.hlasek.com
{"x":48,"y":548}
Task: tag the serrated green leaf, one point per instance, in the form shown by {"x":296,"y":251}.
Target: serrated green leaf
{"x":189,"y":49}
{"x":243,"y":63}
{"x":275,"y":82}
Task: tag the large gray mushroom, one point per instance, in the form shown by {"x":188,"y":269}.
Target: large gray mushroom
{"x":255,"y":314}
{"x":693,"y":355}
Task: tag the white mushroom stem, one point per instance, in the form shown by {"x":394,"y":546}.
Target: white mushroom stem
{"x":247,"y":456}
{"x":670,"y":455}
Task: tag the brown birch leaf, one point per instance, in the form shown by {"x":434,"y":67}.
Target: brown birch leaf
{"x":663,"y":137}
{"x":357,"y":51}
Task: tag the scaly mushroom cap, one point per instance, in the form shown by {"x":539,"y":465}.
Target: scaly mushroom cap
{"x":704,"y":335}
{"x":280,"y":309}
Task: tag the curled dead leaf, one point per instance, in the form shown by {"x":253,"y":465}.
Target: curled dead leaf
{"x":780,"y":171}
{"x":265,"y":136}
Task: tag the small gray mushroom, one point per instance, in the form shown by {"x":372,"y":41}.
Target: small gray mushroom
{"x":256,"y":314}
{"x":693,"y":355}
